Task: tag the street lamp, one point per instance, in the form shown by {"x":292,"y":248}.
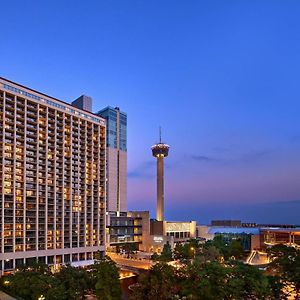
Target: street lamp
{"x":194,"y":251}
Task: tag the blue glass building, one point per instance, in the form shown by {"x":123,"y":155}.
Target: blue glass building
{"x":116,"y":122}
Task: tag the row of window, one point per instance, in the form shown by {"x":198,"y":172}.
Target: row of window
{"x":53,"y":104}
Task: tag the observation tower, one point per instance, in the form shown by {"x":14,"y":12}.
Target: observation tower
{"x":160,"y":151}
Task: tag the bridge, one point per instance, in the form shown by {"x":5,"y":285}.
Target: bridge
{"x":131,"y":264}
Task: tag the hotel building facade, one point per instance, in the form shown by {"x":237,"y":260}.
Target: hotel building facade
{"x":52,"y":179}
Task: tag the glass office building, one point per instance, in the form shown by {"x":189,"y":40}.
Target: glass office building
{"x":116,"y":158}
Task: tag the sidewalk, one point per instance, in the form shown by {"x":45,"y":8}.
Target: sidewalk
{"x":4,"y":296}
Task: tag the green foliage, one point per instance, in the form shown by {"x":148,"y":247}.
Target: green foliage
{"x":129,"y":248}
{"x":286,"y":263}
{"x":236,"y":249}
{"x":107,"y":282}
{"x":161,"y":283}
{"x":249,"y":282}
{"x":154,"y":256}
{"x":227,"y":248}
{"x":68,"y":284}
{"x":30,"y":284}
{"x":277,"y":288}
{"x":202,"y":280}
{"x":166,"y":255}
{"x":74,"y":280}
{"x":180,"y":252}
{"x":188,"y":250}
{"x":209,"y":254}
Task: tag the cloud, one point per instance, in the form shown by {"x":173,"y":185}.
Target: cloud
{"x":147,"y":169}
{"x":254,"y":156}
{"x":221,"y":149}
{"x":143,"y":170}
{"x":248,"y":157}
{"x":203,"y":158}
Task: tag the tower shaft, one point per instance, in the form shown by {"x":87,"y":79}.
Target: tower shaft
{"x":160,"y":189}
{"x":160,"y":151}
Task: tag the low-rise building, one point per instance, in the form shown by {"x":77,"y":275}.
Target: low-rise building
{"x":127,"y":230}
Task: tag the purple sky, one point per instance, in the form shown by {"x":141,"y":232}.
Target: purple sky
{"x":220,"y":77}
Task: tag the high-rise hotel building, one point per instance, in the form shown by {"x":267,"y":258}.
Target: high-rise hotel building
{"x":52,"y":179}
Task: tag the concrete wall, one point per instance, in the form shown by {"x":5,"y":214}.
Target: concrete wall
{"x":155,"y":243}
{"x":123,"y":180}
{"x":117,"y":180}
{"x":145,"y":215}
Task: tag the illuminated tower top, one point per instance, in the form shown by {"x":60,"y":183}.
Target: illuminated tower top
{"x":160,"y":149}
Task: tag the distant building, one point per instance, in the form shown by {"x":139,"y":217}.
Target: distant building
{"x":116,"y":187}
{"x":249,"y":237}
{"x":144,"y":220}
{"x":258,"y":237}
{"x":181,"y":231}
{"x":155,"y":243}
{"x":172,"y":232}
{"x":226,"y":223}
{"x":129,"y":228}
{"x":83,"y":102}
{"x":272,"y":236}
{"x":52,"y":190}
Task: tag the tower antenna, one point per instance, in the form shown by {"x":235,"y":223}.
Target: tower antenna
{"x":160,"y":134}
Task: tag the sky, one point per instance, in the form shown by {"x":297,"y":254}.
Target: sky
{"x":220,"y":77}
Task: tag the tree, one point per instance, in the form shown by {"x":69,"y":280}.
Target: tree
{"x":129,"y":248}
{"x":154,"y":256}
{"x":220,"y":243}
{"x":30,"y":284}
{"x":204,"y":281}
{"x":74,"y":280}
{"x":228,"y":247}
{"x":235,"y":249}
{"x":209,"y":254}
{"x":161,"y":283}
{"x":187,"y":250}
{"x":277,"y":288}
{"x":166,"y":255}
{"x":215,"y":281}
{"x":285,"y":261}
{"x":251,"y":282}
{"x":180,"y":252}
{"x":107,"y":282}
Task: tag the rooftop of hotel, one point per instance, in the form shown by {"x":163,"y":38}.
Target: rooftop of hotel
{"x":40,"y":95}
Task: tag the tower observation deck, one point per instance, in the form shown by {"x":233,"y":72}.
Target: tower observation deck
{"x":160,"y":151}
